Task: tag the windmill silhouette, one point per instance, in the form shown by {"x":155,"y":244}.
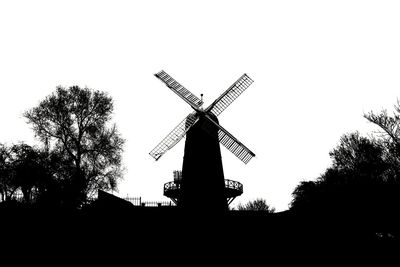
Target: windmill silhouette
{"x":203,"y":186}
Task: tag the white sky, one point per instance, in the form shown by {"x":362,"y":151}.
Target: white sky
{"x":317,"y":66}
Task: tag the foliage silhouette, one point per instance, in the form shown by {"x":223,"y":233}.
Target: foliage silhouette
{"x":389,"y":134}
{"x":358,"y":171}
{"x":358,"y":189}
{"x":74,"y":125}
{"x":29,"y":169}
{"x":364,"y":176}
{"x":389,"y":125}
{"x":256,"y":205}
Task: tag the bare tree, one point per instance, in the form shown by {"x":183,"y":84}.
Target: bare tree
{"x":389,"y":133}
{"x":390,"y":125}
{"x":76,"y":123}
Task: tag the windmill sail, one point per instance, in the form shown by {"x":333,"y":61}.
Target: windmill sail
{"x":231,"y":143}
{"x":181,"y":91}
{"x":227,"y":98}
{"x":174,"y":136}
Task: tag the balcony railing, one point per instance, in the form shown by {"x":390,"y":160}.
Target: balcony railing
{"x":171,"y":186}
{"x":232,"y":190}
{"x":235,"y":185}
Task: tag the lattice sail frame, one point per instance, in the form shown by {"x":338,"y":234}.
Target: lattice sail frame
{"x":230,"y":95}
{"x":174,"y":136}
{"x":180,"y":90}
{"x":232,"y":143}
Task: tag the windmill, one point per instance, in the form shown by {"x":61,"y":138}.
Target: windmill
{"x":203,"y":185}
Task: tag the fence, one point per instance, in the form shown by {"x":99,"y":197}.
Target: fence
{"x":137,"y":201}
{"x":18,"y":196}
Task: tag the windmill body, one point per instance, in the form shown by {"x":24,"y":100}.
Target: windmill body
{"x":203,"y":186}
{"x":203,"y":182}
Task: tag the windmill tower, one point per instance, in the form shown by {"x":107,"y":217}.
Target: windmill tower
{"x":203,"y":186}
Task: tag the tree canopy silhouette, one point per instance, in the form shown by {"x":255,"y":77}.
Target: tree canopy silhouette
{"x":75,"y":123}
{"x":23,"y":169}
{"x":355,"y":181}
{"x":365,"y":173}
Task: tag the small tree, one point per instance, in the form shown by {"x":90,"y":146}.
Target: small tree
{"x":257,"y":205}
{"x":75,"y":122}
{"x":8,"y":185}
{"x":30,"y":168}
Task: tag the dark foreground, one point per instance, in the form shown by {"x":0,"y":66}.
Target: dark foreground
{"x":235,"y":235}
